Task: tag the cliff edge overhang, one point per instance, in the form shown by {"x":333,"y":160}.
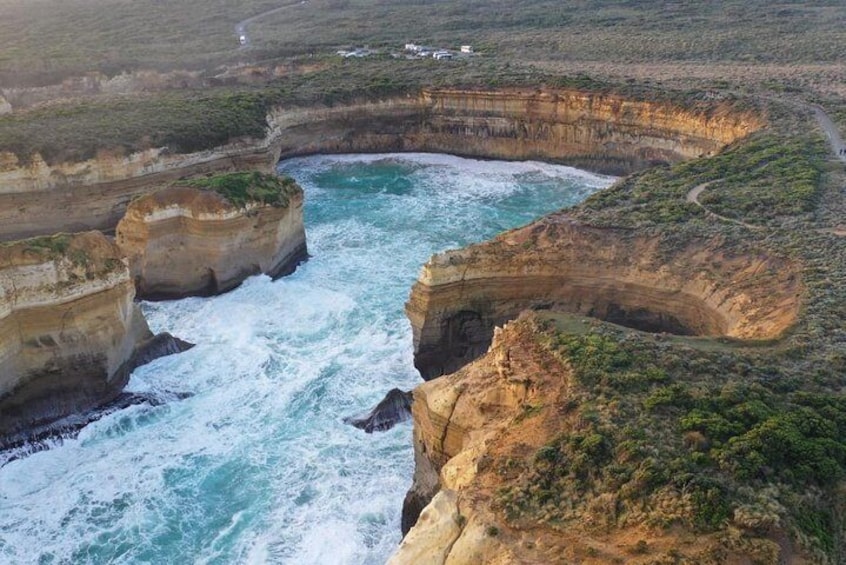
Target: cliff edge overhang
{"x":623,"y":276}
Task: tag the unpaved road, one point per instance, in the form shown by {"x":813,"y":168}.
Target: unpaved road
{"x":831,"y":131}
{"x":241,"y":27}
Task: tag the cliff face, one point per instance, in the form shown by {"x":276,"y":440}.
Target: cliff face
{"x":604,"y":133}
{"x":184,"y":241}
{"x":68,"y":328}
{"x":600,"y":132}
{"x":615,"y":275}
{"x":37,"y":198}
{"x":477,"y":430}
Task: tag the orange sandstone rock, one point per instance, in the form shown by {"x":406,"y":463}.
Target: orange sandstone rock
{"x":184,"y":241}
{"x":68,"y":328}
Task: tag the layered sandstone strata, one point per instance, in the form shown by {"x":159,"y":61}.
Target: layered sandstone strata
{"x":473,"y":432}
{"x":601,"y":132}
{"x":617,"y":275}
{"x":69,"y":328}
{"x":184,"y":241}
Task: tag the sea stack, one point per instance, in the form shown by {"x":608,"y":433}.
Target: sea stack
{"x":204,"y":236}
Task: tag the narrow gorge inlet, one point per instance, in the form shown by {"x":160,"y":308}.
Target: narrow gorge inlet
{"x":256,"y":465}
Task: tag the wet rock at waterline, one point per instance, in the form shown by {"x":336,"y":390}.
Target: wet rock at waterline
{"x":45,"y":437}
{"x":157,"y":346}
{"x":391,"y":410}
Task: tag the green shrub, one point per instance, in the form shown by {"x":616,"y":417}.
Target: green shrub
{"x":245,"y":187}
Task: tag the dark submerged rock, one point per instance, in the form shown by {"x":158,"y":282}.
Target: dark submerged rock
{"x":393,"y":409}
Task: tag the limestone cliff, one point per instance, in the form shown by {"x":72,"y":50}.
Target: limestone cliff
{"x":601,"y":132}
{"x":617,"y":275}
{"x":496,"y":488}
{"x":184,"y":240}
{"x":68,"y":328}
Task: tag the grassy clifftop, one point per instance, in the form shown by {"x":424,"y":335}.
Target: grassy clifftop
{"x":248,"y":187}
{"x":719,"y":439}
{"x":194,"y":120}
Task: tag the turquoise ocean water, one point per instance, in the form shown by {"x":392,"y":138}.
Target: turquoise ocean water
{"x":256,"y":466}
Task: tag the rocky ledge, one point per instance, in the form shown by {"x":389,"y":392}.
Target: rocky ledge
{"x":70,"y":333}
{"x":206,"y":235}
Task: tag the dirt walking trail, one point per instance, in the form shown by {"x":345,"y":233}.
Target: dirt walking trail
{"x":693,"y":196}
{"x":837,"y":146}
{"x":831,"y":131}
{"x":834,"y":140}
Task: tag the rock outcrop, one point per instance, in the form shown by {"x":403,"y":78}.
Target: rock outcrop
{"x":184,"y":241}
{"x":475,"y":433}
{"x":596,"y":131}
{"x":70,"y":333}
{"x":616,"y":275}
{"x":391,"y":410}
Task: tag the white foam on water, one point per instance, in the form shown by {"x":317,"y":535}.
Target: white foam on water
{"x":256,"y":465}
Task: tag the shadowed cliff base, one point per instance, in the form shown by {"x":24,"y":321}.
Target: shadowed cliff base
{"x":616,"y":275}
{"x":45,"y":437}
{"x":38,"y":410}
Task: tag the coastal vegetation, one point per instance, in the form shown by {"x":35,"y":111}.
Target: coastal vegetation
{"x":765,"y":179}
{"x":85,"y":254}
{"x":711,"y":436}
{"x":197,"y":119}
{"x":242,"y":188}
{"x":724,"y":437}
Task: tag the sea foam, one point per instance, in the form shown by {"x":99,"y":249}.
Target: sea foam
{"x":256,"y":466}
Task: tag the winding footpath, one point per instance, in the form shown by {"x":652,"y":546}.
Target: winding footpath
{"x":837,"y":146}
{"x":693,"y":196}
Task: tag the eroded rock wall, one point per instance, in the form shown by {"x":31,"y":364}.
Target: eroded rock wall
{"x":616,"y":275}
{"x":476,"y":428}
{"x":68,"y":328}
{"x":184,"y":241}
{"x":38,"y":198}
{"x":600,"y":132}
